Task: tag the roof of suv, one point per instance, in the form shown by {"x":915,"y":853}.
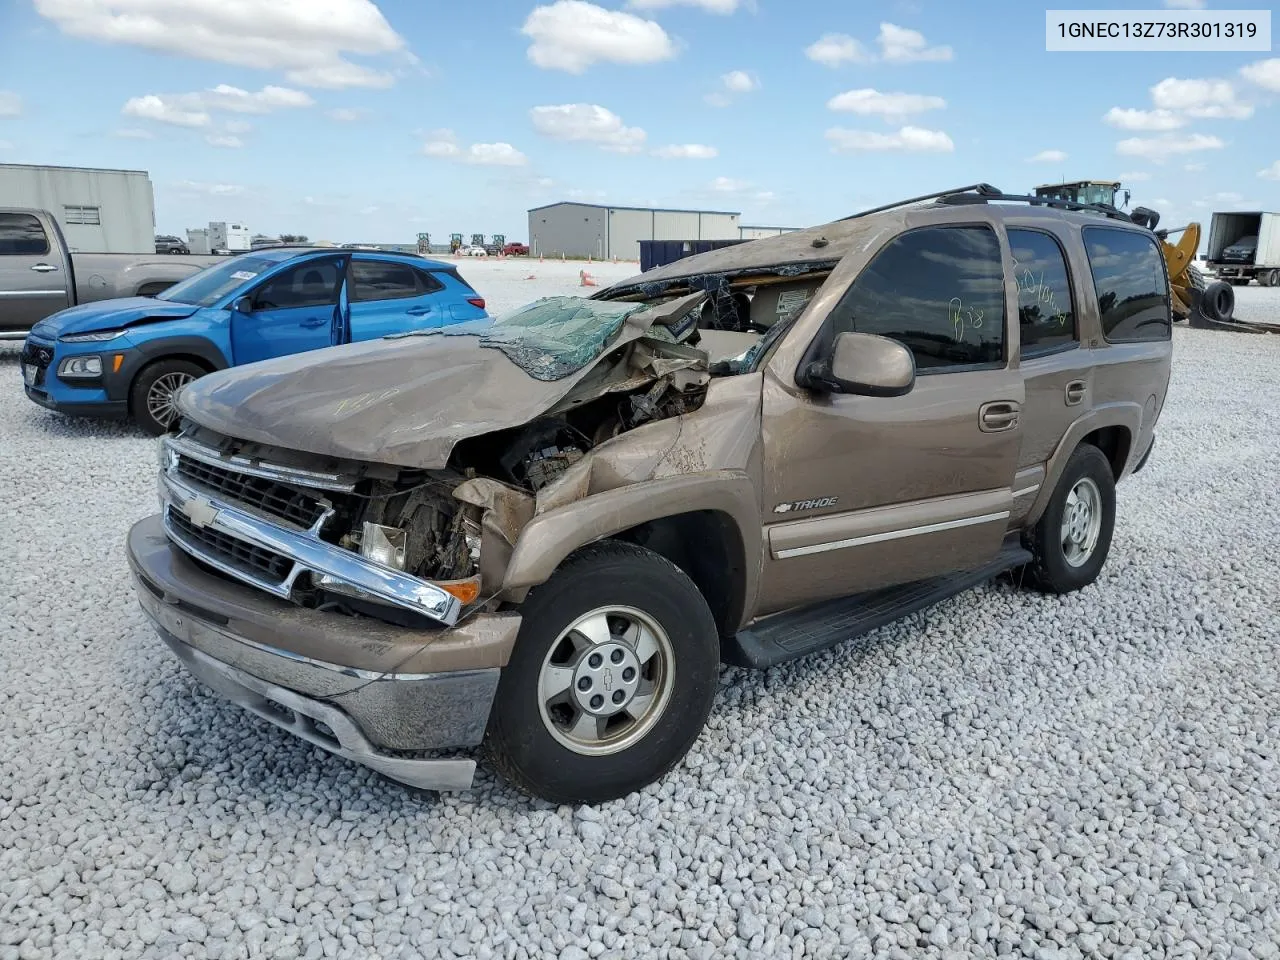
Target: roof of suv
{"x":285,"y":252}
{"x":804,"y":251}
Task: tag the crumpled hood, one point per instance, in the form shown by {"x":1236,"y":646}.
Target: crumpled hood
{"x":403,"y":401}
{"x":109,"y":315}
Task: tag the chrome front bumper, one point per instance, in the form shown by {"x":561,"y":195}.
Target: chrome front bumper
{"x":304,"y":549}
{"x":358,"y":688}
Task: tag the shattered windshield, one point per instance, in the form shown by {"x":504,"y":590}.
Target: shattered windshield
{"x":553,"y":337}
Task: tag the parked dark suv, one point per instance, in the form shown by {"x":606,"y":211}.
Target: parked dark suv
{"x":166,"y":244}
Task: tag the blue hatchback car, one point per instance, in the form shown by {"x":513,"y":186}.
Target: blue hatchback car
{"x":122,"y":358}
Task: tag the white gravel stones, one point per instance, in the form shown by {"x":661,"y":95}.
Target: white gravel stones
{"x":1005,"y":775}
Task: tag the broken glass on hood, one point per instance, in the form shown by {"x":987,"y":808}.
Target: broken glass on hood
{"x":551,"y":338}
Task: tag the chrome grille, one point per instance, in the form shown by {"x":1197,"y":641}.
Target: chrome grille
{"x":259,"y":493}
{"x":252,"y":560}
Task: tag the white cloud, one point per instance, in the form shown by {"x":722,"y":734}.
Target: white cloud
{"x":1185,"y":4}
{"x":729,"y":185}
{"x":306,"y":39}
{"x":1158,"y":149}
{"x":1271,"y":173}
{"x":764,"y":196}
{"x":211,"y":189}
{"x":587,"y":123}
{"x":1149,"y":121}
{"x":1196,"y":167}
{"x":1134,"y":176}
{"x":739,"y":81}
{"x":1265,"y":73}
{"x":910,"y":139}
{"x":687,"y":151}
{"x":571,"y":35}
{"x":833,"y":49}
{"x":345,"y":114}
{"x":152,"y":107}
{"x":1048,"y":156}
{"x":237,"y":126}
{"x":444,"y":145}
{"x":900,"y":45}
{"x":10,"y":104}
{"x":224,"y":140}
{"x":723,"y":7}
{"x":193,"y":109}
{"x":1205,"y":99}
{"x":892,"y":106}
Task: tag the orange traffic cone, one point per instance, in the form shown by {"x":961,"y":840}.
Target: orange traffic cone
{"x":586,"y":280}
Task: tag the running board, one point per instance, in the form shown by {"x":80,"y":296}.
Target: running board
{"x":797,"y":633}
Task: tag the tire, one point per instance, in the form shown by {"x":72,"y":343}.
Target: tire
{"x":163,"y":376}
{"x":1273,"y":278}
{"x":1195,"y":278}
{"x":546,"y":741}
{"x":1218,"y":302}
{"x":1069,"y":551}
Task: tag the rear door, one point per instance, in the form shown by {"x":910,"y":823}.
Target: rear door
{"x":33,"y":279}
{"x":293,"y":311}
{"x":391,"y":296}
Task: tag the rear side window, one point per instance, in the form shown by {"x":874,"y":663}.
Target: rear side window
{"x":1129,"y":277}
{"x":22,"y":235}
{"x":939,"y":291}
{"x":385,"y":280}
{"x":1046,"y":315}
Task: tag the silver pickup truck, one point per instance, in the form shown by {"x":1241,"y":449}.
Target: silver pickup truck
{"x":39,"y":276}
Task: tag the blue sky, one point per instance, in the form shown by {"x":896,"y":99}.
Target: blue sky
{"x":350,"y":120}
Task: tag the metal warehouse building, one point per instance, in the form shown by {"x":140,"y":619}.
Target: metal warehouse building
{"x":100,"y":211}
{"x":587,"y":230}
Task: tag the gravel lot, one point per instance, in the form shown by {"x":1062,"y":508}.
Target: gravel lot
{"x":1006,"y":774}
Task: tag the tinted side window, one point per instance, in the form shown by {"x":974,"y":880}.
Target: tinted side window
{"x":22,"y":235}
{"x":940,"y":291}
{"x":310,"y":284}
{"x":382,"y":280}
{"x":1046,"y":315}
{"x":1128,"y":275}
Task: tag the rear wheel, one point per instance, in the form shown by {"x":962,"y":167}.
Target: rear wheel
{"x":1071,"y":541}
{"x":151,"y":399}
{"x":611,"y":679}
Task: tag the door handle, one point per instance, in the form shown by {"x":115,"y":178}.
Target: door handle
{"x":997,"y":416}
{"x":418,"y":311}
{"x":315,"y":322}
{"x":1075,"y":392}
{"x":44,"y":268}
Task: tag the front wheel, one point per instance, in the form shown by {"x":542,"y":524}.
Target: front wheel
{"x":611,"y":679}
{"x":151,"y":399}
{"x":1071,"y":541}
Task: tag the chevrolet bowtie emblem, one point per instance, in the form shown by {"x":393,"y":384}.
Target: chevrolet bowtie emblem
{"x":200,"y":512}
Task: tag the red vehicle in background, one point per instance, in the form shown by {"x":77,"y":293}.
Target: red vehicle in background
{"x":515,"y":250}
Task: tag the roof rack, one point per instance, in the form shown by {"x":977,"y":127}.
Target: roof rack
{"x":985,"y":192}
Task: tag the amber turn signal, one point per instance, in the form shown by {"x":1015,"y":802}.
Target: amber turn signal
{"x":116,"y":362}
{"x":465,"y":590}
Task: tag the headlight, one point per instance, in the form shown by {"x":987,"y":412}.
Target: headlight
{"x":384,"y":545}
{"x":167,"y":456}
{"x":100,"y":337}
{"x":73,"y":367}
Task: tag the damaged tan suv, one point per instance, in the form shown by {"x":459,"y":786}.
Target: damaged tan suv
{"x":545,"y":533}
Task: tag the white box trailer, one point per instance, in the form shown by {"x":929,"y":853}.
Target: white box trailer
{"x":1245,"y":246}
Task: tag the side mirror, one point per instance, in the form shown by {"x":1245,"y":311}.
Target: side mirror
{"x":867,"y":365}
{"x":243,"y":305}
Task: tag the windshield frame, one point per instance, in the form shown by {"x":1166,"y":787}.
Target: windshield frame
{"x":222,"y":293}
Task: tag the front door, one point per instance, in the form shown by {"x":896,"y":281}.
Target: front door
{"x":33,"y":281}
{"x":390,"y":296}
{"x":863,"y":492}
{"x":292,"y":312}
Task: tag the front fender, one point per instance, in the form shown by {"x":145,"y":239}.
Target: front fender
{"x":1125,"y":414}
{"x":549,"y":538}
